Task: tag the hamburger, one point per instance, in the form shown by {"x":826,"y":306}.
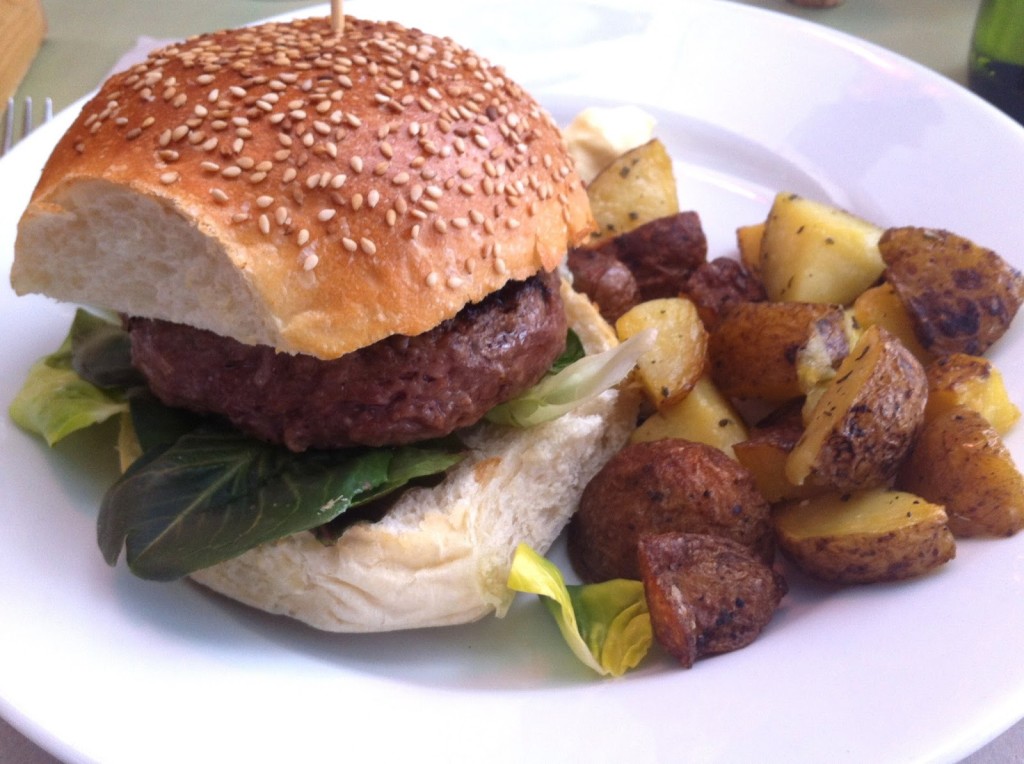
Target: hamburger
{"x":337,"y":243}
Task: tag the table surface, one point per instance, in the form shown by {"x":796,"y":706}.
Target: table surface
{"x":85,"y":40}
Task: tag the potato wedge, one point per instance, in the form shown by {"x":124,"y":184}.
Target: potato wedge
{"x":960,"y":461}
{"x":659,"y":487}
{"x":865,"y":537}
{"x":971,"y":381}
{"x":814,"y":252}
{"x":670,"y":369}
{"x":960,"y":296}
{"x":881,"y":305}
{"x":752,"y":352}
{"x":706,"y":595}
{"x":866,"y":420}
{"x":637,"y":187}
{"x":703,"y":416}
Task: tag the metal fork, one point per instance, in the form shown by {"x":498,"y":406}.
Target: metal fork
{"x":28,"y":122}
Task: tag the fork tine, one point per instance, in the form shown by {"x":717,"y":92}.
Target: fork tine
{"x":8,"y":127}
{"x":28,"y":121}
{"x":26,"y":117}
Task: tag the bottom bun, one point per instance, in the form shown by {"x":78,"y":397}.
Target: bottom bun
{"x":442,"y":555}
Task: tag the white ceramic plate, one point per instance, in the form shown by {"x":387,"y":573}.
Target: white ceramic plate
{"x":96,"y":665}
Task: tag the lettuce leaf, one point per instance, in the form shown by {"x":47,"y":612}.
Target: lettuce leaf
{"x":55,"y":400}
{"x":607,"y":625}
{"x":203,"y":494}
{"x":578,"y":382}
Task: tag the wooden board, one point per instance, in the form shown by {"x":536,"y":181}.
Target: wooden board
{"x":22,"y":27}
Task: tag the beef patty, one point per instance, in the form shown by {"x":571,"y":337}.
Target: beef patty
{"x":399,"y":390}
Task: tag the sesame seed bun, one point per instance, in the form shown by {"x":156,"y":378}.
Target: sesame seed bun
{"x":288,"y":186}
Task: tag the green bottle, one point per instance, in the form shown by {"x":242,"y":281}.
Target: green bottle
{"x":997,"y":56}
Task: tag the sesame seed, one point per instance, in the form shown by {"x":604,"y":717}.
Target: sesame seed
{"x":326,"y":214}
{"x":338,"y":180}
{"x":454,"y":282}
{"x":168,"y":178}
{"x":264,"y":201}
{"x":264,"y":224}
{"x":349,"y":244}
{"x":231,"y":172}
{"x":309,"y":262}
{"x":218,"y":195}
{"x":356,"y":163}
{"x":433,"y":279}
{"x":302,"y":237}
{"x":367,"y":246}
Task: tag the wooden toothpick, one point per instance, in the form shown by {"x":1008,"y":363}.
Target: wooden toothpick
{"x":337,"y":17}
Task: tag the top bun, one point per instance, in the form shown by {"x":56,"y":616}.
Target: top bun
{"x":290,"y":186}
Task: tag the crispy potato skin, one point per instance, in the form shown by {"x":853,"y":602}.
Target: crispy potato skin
{"x":718,"y":285}
{"x":865,"y":537}
{"x":961,"y":297}
{"x":972,"y":381}
{"x":605,"y":279}
{"x":661,"y":486}
{"x":662,"y":254}
{"x":960,"y":461}
{"x":863,"y":426}
{"x":706,"y":594}
{"x":766,"y":369}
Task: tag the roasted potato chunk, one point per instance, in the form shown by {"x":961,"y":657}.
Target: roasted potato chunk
{"x":753,"y":351}
{"x":864,"y":537}
{"x":765,"y":452}
{"x":670,"y":369}
{"x":662,"y":254}
{"x":960,"y":296}
{"x":718,"y":285}
{"x":704,"y":415}
{"x":706,"y":595}
{"x":636,"y":188}
{"x":960,"y":461}
{"x":971,"y":381}
{"x":605,"y":279}
{"x":662,"y":486}
{"x":881,"y":305}
{"x":866,"y":420}
{"x":814,"y":252}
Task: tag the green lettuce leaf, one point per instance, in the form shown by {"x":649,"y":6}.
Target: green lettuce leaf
{"x":55,"y":400}
{"x":578,"y":382}
{"x":213,"y":493}
{"x":607,"y":625}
